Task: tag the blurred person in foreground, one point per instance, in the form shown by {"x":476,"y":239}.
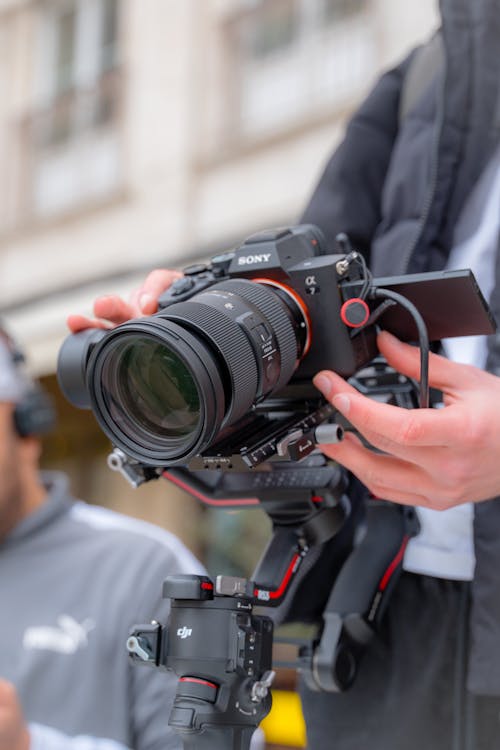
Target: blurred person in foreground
{"x":416,"y":186}
{"x":74,"y":578}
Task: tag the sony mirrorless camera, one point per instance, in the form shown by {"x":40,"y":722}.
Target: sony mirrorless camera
{"x":220,"y":377}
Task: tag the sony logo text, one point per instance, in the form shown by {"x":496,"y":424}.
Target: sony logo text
{"x":247,"y":260}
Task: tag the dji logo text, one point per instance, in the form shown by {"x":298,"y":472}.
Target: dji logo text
{"x":184,"y":632}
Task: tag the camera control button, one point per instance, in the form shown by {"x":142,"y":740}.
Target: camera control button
{"x":268,"y":235}
{"x":355,"y":312}
{"x":182,"y":586}
{"x":180,"y":286}
{"x":195,"y":269}
{"x":263,"y":333}
{"x":221,"y":263}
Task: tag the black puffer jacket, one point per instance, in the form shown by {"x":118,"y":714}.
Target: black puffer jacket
{"x":397,"y":186}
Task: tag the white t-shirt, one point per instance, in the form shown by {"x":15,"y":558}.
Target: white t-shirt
{"x":445,"y":546}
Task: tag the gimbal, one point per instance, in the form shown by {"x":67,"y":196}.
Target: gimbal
{"x":221,"y":650}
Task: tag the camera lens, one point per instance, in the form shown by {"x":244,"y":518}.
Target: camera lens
{"x":164,"y":387}
{"x":156,"y":390}
{"x":153,"y":387}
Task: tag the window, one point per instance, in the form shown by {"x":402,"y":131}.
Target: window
{"x":64,"y":52}
{"x":294,"y":58}
{"x":337,"y":10}
{"x":109,"y":24}
{"x":271,"y":31}
{"x":78,"y":49}
{"x":73,"y":131}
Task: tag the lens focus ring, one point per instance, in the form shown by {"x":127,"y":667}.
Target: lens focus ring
{"x":269,"y":304}
{"x":232,"y":343}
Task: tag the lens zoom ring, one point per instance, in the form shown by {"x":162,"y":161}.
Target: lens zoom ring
{"x":233,"y":344}
{"x":274,"y":310}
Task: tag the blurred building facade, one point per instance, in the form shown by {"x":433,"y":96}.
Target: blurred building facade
{"x":145,"y":133}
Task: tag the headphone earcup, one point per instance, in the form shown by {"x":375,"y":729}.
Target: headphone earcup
{"x":35,"y":414}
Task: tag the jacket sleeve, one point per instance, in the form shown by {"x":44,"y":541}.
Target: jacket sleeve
{"x":348,"y":195}
{"x":149,"y":693}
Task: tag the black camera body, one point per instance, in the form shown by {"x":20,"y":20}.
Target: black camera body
{"x":287,"y":261}
{"x":221,"y":376}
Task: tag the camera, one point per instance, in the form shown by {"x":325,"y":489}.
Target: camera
{"x":220,"y":377}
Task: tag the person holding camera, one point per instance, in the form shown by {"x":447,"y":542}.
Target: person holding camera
{"x":416,"y":186}
{"x":74,"y":578}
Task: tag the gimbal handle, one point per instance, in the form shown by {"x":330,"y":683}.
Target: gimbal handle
{"x":219,"y":649}
{"x":359,"y":597}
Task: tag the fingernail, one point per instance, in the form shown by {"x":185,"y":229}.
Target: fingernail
{"x":146,"y":300}
{"x":322,"y":383}
{"x":342,"y":403}
{"x":389,"y":337}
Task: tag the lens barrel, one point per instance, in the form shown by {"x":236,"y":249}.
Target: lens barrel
{"x":164,"y":387}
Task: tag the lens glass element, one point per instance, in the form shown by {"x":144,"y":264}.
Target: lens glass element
{"x":150,"y":386}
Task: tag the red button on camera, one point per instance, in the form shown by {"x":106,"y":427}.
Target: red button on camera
{"x":355,"y":312}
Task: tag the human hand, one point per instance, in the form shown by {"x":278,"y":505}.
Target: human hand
{"x":111,"y":310}
{"x":14,"y":732}
{"x":436,"y":458}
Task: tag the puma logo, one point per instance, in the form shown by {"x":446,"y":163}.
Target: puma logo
{"x":66,"y":638}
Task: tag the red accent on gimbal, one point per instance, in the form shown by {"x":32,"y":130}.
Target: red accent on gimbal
{"x":199,"y":682}
{"x":393,"y":565}
{"x":284,"y":583}
{"x":221,"y":503}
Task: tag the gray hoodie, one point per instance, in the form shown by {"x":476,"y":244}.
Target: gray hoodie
{"x":74,"y":578}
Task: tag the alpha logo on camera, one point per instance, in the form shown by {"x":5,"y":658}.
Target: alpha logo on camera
{"x":184,"y":632}
{"x":248,"y":260}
